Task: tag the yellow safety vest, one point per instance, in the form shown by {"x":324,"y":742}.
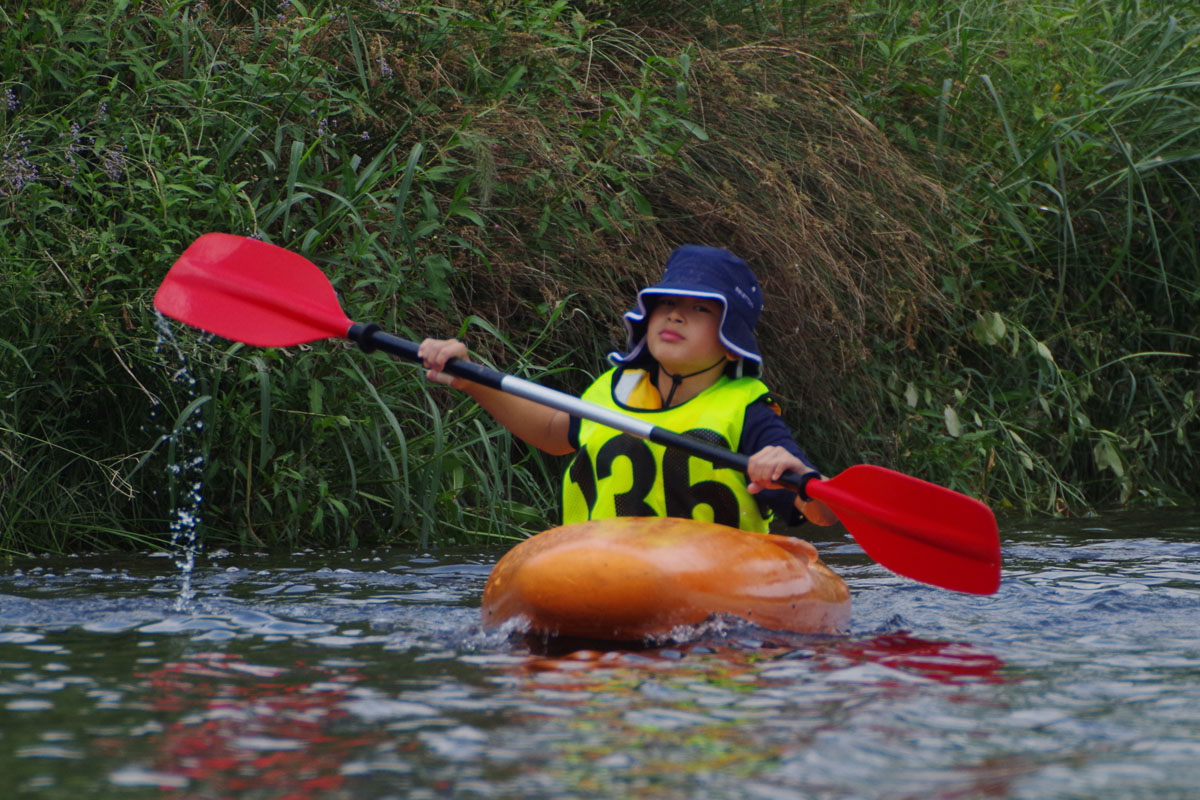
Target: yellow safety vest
{"x":615,"y":474}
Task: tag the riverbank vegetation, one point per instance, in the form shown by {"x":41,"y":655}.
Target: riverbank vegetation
{"x":976,"y":224}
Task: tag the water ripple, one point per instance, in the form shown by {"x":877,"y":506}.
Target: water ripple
{"x":367,"y":676}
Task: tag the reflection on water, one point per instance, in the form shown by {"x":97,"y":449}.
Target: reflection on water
{"x":365,"y":675}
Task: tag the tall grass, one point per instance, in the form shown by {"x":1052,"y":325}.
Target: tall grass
{"x":197,"y":117}
{"x":1069,"y":135}
{"x":975,"y":224}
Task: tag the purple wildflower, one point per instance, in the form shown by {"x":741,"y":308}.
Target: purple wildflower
{"x":74,"y":148}
{"x":10,"y":97}
{"x":385,"y":69}
{"x":114,"y":161}
{"x":326,"y":127}
{"x":16,"y":170}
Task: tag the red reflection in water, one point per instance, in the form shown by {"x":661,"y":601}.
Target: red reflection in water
{"x":247,"y":730}
{"x":943,"y":661}
{"x":583,"y":674}
{"x":948,"y":662}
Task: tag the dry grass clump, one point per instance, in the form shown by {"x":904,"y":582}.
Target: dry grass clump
{"x":841,"y":228}
{"x":592,"y":181}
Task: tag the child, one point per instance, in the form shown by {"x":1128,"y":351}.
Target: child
{"x":691,"y":366}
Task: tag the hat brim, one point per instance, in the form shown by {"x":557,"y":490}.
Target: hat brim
{"x":733,"y":332}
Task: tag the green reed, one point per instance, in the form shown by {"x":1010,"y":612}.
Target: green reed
{"x":1070,"y":137}
{"x":976,"y":224}
{"x":195,"y":118}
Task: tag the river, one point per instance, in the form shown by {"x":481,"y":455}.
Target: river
{"x":365,"y":675}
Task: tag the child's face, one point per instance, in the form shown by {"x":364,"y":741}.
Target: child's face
{"x":683,"y":333}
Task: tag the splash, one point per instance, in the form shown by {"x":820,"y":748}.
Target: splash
{"x":185,"y":462}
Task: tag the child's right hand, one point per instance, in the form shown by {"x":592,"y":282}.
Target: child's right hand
{"x":434,"y":353}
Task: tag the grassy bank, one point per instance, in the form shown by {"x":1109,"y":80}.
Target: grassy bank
{"x":976,"y":229}
{"x":1068,"y":136}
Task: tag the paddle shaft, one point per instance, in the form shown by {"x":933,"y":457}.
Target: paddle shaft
{"x":855,"y":508}
{"x":369,"y":338}
{"x":262,"y":295}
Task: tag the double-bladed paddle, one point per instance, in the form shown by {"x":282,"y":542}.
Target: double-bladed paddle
{"x":257,"y":293}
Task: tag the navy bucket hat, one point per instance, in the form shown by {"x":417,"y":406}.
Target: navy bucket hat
{"x":697,"y":271}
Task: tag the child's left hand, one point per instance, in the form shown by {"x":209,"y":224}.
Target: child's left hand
{"x":769,"y":464}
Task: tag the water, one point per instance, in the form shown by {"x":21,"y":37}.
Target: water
{"x":364,"y":675}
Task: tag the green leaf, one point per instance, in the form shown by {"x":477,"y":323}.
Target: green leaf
{"x":437,"y":270}
{"x":1107,"y":457}
{"x":510,"y":80}
{"x":989,"y":328}
{"x":316,"y":391}
{"x":694,"y":129}
{"x":953,"y":425}
{"x":468,"y":214}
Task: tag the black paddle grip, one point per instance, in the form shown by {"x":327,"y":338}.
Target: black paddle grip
{"x":371,"y":338}
{"x":800,"y":483}
{"x":364,"y":335}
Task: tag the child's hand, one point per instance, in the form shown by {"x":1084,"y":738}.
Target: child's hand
{"x":434,"y":354}
{"x":768,"y":465}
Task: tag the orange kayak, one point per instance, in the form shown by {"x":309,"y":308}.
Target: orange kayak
{"x":639,"y":577}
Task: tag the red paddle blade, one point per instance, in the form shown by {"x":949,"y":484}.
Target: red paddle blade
{"x":252,"y":292}
{"x":915,"y":528}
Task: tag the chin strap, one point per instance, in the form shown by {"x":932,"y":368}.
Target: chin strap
{"x":676,"y":380}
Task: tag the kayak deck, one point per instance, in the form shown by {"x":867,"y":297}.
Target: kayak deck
{"x":633,"y":578}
